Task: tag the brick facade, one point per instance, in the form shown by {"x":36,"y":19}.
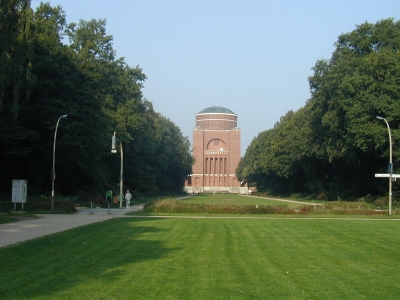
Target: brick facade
{"x":216,"y":149}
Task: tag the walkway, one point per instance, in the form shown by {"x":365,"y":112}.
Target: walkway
{"x":284,"y":200}
{"x":16,"y":232}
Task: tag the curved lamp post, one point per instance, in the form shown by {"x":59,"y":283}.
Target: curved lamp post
{"x":390,"y":164}
{"x":53,"y":172}
{"x":121,"y":184}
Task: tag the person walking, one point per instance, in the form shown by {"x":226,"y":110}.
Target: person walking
{"x":128,"y":198}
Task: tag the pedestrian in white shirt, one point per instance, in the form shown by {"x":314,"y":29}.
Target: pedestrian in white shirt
{"x":128,"y":198}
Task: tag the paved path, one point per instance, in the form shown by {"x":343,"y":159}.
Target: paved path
{"x":284,"y":200}
{"x":16,"y":232}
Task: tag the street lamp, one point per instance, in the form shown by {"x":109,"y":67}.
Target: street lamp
{"x":53,"y":172}
{"x":121,"y":184}
{"x":390,"y":164}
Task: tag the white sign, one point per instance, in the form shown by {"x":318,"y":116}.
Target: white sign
{"x":388,"y":175}
{"x":19,"y":191}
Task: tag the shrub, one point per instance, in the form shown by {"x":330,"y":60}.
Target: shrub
{"x":176,"y":206}
{"x":41,"y":204}
{"x":381,"y":201}
{"x":312,"y":196}
{"x":5,"y":205}
{"x":98,"y":200}
{"x":64,"y":207}
{"x":82,"y":196}
{"x":368,"y":198}
{"x":304,"y":210}
{"x":335,"y":207}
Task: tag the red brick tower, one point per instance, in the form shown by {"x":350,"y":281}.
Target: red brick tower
{"x":216,"y":149}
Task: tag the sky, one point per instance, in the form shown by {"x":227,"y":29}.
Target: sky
{"x":253,"y":57}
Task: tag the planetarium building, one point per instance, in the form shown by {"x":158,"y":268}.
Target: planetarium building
{"x":216,"y":149}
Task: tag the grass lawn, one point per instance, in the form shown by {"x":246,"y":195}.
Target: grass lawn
{"x":234,"y":199}
{"x":6,"y":219}
{"x":208,"y":258}
{"x":15,"y":216}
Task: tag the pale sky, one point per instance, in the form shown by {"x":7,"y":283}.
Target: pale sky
{"x":252,"y":57}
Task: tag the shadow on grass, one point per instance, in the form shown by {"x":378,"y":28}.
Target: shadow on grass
{"x":101,"y":252}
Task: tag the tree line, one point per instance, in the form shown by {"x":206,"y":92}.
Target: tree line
{"x":42,"y":77}
{"x":334,"y":144}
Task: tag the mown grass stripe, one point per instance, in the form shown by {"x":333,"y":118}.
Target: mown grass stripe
{"x":154,"y":258}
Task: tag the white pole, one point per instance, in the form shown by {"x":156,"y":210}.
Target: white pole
{"x":390,"y":163}
{"x":121,"y":181}
{"x":53,"y":172}
{"x":121,"y":185}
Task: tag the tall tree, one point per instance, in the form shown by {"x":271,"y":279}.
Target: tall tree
{"x":16,"y":52}
{"x":100,"y":93}
{"x":334,"y":145}
{"x":360,"y":81}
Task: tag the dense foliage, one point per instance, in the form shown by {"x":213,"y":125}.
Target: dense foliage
{"x":333,"y":146}
{"x":42,"y":78}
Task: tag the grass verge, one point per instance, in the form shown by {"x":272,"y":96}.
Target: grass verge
{"x":15,"y":216}
{"x":5,"y":218}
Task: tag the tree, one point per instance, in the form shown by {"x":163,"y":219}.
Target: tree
{"x":358,"y":83}
{"x":334,"y":145}
{"x":99,"y":92}
{"x":22,"y":126}
{"x":16,"y":51}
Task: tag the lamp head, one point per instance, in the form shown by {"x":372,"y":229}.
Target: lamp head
{"x":378,"y":117}
{"x":113,"y":142}
{"x":63,"y":116}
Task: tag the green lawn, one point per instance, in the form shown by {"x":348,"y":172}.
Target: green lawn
{"x":234,"y":199}
{"x":208,"y":258}
{"x":6,"y":219}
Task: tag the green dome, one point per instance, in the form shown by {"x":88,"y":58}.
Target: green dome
{"x":216,"y":110}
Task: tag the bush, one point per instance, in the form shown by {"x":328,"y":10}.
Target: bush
{"x":368,"y":199}
{"x":82,"y":196}
{"x":98,"y":201}
{"x":40,"y":204}
{"x":176,"y":206}
{"x":312,"y":196}
{"x":64,"y":207}
{"x":335,"y":207}
{"x":44,"y":206}
{"x":6,"y":206}
{"x":381,"y":202}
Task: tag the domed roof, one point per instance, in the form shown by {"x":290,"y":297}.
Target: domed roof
{"x":216,"y":110}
